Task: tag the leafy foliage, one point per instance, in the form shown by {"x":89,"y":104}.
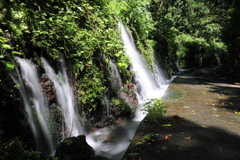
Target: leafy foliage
{"x":150,"y":137}
{"x":155,"y":110}
{"x":16,"y":149}
{"x":83,"y":32}
{"x":197,"y":27}
{"x":231,"y":35}
{"x":197,"y":52}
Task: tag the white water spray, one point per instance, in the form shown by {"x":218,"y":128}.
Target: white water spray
{"x":65,"y":99}
{"x":143,"y":74}
{"x":116,"y":78}
{"x":112,"y":142}
{"x":34,"y":102}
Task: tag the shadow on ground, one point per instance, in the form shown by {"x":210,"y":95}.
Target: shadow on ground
{"x":180,"y":139}
{"x":229,"y":98}
{"x":203,"y":109}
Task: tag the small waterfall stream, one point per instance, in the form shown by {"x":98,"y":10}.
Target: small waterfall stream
{"x":116,"y":78}
{"x":30,"y":89}
{"x":143,"y":74}
{"x":112,"y":142}
{"x":37,"y":109}
{"x":65,"y":99}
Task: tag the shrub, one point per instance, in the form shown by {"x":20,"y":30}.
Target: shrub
{"x":16,"y":149}
{"x":150,"y":137}
{"x":155,"y":109}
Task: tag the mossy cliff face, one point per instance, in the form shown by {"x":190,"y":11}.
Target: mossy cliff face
{"x":86,"y":34}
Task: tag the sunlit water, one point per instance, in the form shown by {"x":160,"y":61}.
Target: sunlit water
{"x":112,"y":142}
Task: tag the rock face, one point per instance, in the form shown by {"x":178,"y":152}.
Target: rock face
{"x":74,"y":148}
{"x":49,"y":89}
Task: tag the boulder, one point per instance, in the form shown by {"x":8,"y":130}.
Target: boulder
{"x":122,"y":110}
{"x":74,"y":148}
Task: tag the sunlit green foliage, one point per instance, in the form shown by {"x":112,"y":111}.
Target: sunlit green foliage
{"x":82,"y":32}
{"x":155,"y":110}
{"x":196,"y":52}
{"x":199,"y":26}
{"x":137,"y":17}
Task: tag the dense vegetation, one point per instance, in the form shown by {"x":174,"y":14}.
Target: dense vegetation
{"x":193,"y":32}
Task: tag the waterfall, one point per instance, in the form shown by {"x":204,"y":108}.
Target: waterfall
{"x":115,"y":77}
{"x":116,"y":81}
{"x":35,"y":106}
{"x":143,"y":75}
{"x":107,"y":106}
{"x":112,"y":142}
{"x":65,"y":99}
{"x":37,"y":109}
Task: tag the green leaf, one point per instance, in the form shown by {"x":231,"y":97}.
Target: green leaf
{"x":15,"y":52}
{"x":5,"y":46}
{"x":65,"y":18}
{"x":166,"y":125}
{"x":17,"y":86}
{"x":9,"y":65}
{"x":124,"y":65}
{"x":118,"y":54}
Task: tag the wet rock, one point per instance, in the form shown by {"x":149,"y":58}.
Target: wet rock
{"x":132,"y":95}
{"x":105,"y":122}
{"x":74,"y":148}
{"x":49,"y":89}
{"x":131,"y":85}
{"x":122,"y":110}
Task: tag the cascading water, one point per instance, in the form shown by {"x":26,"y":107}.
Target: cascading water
{"x":35,"y":101}
{"x":116,"y":81}
{"x":116,"y":78}
{"x":143,"y":75}
{"x":65,"y":99}
{"x":112,"y":142}
{"x":107,"y":106}
{"x":31,"y":93}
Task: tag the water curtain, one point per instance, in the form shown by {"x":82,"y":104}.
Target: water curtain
{"x":38,"y":110}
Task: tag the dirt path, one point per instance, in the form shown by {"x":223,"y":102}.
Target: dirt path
{"x":202,"y":121}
